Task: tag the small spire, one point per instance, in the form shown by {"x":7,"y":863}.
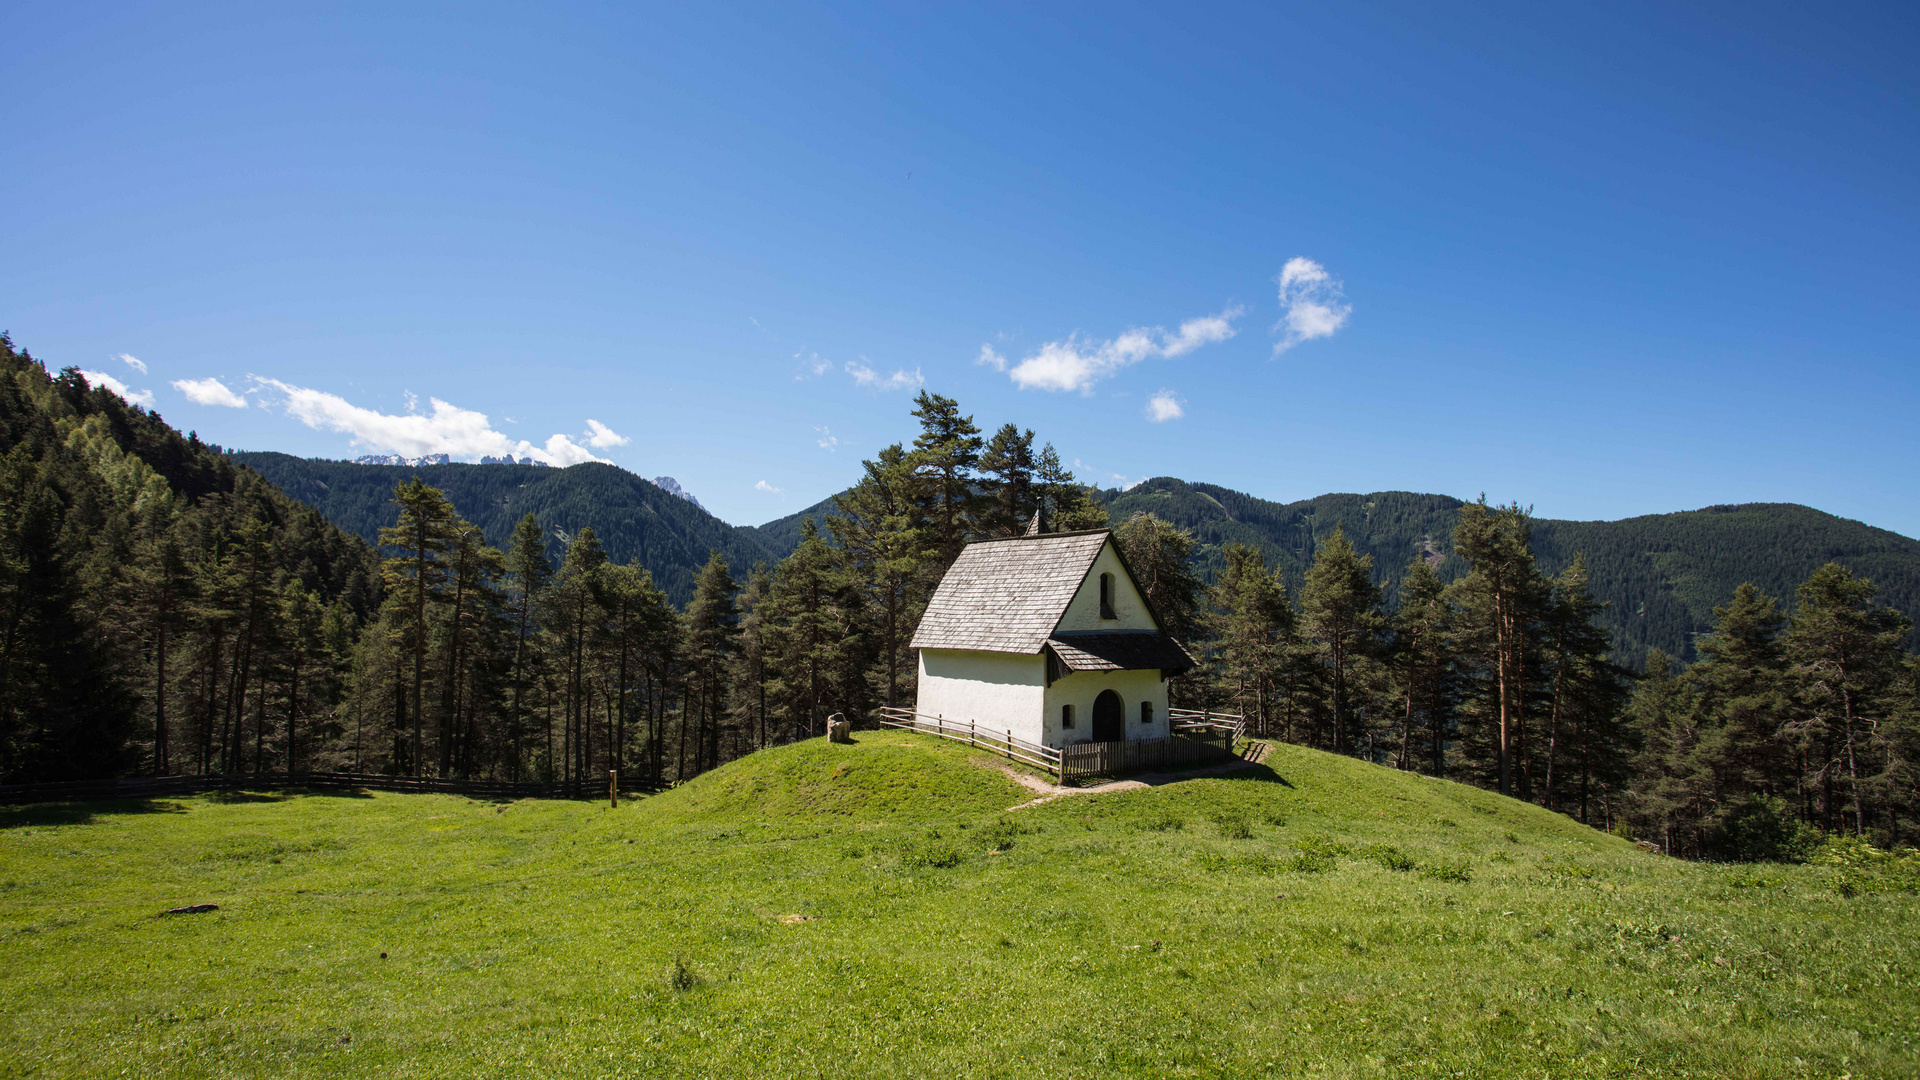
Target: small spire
{"x":1039,"y":523}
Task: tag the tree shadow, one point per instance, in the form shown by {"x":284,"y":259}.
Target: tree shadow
{"x":80,"y":813}
{"x":246,"y":796}
{"x":332,"y":792}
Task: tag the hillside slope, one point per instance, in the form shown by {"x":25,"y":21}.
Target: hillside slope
{"x":1661,"y":574}
{"x":634,"y":518}
{"x":802,"y":912}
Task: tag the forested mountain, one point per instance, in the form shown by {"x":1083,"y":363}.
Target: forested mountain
{"x":635,"y":520}
{"x":151,"y":592}
{"x":163,"y":608}
{"x":1660,"y":575}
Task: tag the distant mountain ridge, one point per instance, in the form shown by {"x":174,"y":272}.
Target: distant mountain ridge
{"x":634,"y":518}
{"x":1661,"y":574}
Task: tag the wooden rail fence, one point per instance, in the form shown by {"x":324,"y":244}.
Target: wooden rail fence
{"x":1198,"y":738}
{"x":147,"y":787}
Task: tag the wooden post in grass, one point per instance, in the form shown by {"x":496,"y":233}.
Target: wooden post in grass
{"x":613,"y":789}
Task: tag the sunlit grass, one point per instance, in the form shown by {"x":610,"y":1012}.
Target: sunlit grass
{"x":873,"y":910}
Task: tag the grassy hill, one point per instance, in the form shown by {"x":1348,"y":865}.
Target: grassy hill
{"x":875,"y":910}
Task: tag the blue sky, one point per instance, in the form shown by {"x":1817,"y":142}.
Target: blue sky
{"x":1605,"y":261}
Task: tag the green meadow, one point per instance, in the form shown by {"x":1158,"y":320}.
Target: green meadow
{"x":876,"y":910}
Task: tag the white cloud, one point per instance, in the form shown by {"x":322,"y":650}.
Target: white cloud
{"x":764,"y":486}
{"x":869,"y":379}
{"x":132,"y":396}
{"x":1076,"y":365}
{"x":1315,"y":303}
{"x":600,"y":436}
{"x":991,"y":358}
{"x":828,"y":440}
{"x":1164,"y":406}
{"x":133,"y":362}
{"x":209,"y":391}
{"x":1204,"y":330}
{"x":448,"y":429}
{"x":812,"y":366}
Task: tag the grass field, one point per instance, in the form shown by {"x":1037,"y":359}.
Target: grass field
{"x":872,"y":910}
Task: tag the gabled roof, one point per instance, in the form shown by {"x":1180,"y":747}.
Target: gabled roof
{"x":1119,"y":650}
{"x":1008,"y":595}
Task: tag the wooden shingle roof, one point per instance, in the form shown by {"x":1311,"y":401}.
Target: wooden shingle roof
{"x":1008,"y":595}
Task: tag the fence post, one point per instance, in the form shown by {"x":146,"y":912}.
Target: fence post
{"x":613,"y":789}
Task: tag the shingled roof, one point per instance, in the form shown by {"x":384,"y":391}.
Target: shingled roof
{"x":1120,"y":650}
{"x":1008,"y":595}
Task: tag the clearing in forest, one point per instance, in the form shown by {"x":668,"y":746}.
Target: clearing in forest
{"x":874,"y":910}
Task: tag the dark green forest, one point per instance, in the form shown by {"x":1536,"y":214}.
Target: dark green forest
{"x":635,"y":520}
{"x":165,"y":608}
{"x":1659,"y":575}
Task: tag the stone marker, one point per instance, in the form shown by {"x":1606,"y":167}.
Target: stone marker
{"x":839,"y":728}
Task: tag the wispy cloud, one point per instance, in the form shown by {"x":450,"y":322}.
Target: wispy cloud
{"x":209,"y":391}
{"x":1075,"y":364}
{"x":600,"y":436}
{"x":869,"y":379}
{"x":1164,"y":406}
{"x":828,"y":440}
{"x":448,"y":429}
{"x":812,"y":366}
{"x":132,"y":361}
{"x":1314,"y":302}
{"x":769,"y":488}
{"x":142,"y":398}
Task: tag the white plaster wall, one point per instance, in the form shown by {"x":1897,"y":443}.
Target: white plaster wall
{"x":1003,"y":691}
{"x":1081,"y":687}
{"x":1083,"y":613}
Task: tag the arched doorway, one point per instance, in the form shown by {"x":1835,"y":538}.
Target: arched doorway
{"x":1109,"y":718}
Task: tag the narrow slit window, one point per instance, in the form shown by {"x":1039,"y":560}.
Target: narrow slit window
{"x":1066,"y":716}
{"x":1146,"y":712}
{"x":1106,"y":597}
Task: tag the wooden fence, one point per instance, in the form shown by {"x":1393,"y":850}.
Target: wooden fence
{"x":998,"y":740}
{"x":1198,"y":738}
{"x":147,"y":787}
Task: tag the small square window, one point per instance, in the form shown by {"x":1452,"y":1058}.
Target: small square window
{"x":1146,"y":712}
{"x":1066,"y":716}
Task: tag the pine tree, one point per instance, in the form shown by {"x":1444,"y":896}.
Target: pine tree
{"x":528,"y":572}
{"x":817,"y":642}
{"x":421,"y":534}
{"x":1340,"y":607}
{"x":1585,"y":691}
{"x":947,"y":453}
{"x":1256,"y":626}
{"x":1008,"y":464}
{"x":1423,"y":668}
{"x":573,"y":611}
{"x":1846,"y":663}
{"x":1066,"y":505}
{"x":711,"y":627}
{"x":1501,"y":594}
{"x":891,"y":549}
{"x":1674,"y":794}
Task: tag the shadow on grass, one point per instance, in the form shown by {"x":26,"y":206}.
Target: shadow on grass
{"x":331,"y":792}
{"x":246,"y":796}
{"x":80,"y":813}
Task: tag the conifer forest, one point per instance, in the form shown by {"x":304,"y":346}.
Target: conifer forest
{"x":164,"y":610}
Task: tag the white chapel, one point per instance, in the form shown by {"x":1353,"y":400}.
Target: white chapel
{"x":1047,"y":637}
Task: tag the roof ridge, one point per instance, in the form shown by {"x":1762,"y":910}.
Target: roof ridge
{"x":1040,"y":536}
